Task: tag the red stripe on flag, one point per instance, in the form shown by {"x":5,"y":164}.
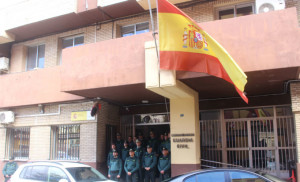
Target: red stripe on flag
{"x":166,"y":7}
{"x":195,"y":62}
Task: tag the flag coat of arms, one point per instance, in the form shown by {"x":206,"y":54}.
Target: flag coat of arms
{"x":185,"y":46}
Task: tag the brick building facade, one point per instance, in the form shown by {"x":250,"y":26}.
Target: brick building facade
{"x":93,"y":133}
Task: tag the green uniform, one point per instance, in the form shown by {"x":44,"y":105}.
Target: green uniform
{"x":9,"y":169}
{"x":131,"y":145}
{"x":164,"y":164}
{"x":110,"y":156}
{"x":125,"y":153}
{"x":149,"y":160}
{"x":132,"y":164}
{"x":139,"y":152}
{"x":165,"y":144}
{"x":154,"y":145}
{"x":115,"y":168}
{"x":119,"y":145}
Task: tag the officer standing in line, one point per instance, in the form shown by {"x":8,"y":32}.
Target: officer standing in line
{"x":125,"y":151}
{"x":115,"y":167}
{"x":119,"y":143}
{"x":153,"y":142}
{"x":139,"y":152}
{"x":164,"y":165}
{"x":110,"y":154}
{"x":149,"y":164}
{"x":9,"y":169}
{"x":131,"y":167}
{"x":125,"y":154}
{"x":166,"y":143}
{"x":141,"y":138}
{"x":134,"y":142}
{"x":131,"y":144}
{"x":160,"y":142}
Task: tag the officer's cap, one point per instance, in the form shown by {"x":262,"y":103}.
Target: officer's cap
{"x":165,"y":149}
{"x":137,"y":140}
{"x":149,"y":146}
{"x":115,"y":151}
{"x":166,"y":134}
{"x":118,"y":134}
{"x":131,"y":150}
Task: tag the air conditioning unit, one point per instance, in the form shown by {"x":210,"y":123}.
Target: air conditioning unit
{"x":264,"y":6}
{"x":7,"y":117}
{"x":4,"y":64}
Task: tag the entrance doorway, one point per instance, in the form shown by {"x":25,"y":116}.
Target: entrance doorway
{"x":157,"y":129}
{"x":261,"y":138}
{"x":131,"y":125}
{"x":110,"y":136}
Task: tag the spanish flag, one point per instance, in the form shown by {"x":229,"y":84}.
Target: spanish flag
{"x":185,"y":46}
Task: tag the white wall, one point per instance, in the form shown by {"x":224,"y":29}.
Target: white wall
{"x":15,"y":13}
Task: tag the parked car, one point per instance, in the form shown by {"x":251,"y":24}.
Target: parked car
{"x":225,"y":175}
{"x":57,"y":172}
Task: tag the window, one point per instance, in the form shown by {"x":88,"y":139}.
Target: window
{"x":56,"y":174}
{"x":86,"y":174}
{"x":43,"y":173}
{"x":249,"y":113}
{"x":207,"y":176}
{"x":235,"y":11}
{"x":244,"y":177}
{"x":135,"y":29}
{"x":66,"y":142}
{"x":39,"y":173}
{"x":18,"y":142}
{"x":36,"y":57}
{"x":210,"y":115}
{"x":70,"y":42}
{"x":284,"y":111}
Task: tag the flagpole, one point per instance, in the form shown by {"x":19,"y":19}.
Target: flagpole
{"x":154,"y":37}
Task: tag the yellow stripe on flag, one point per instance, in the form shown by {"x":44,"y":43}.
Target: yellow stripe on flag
{"x":172,"y":31}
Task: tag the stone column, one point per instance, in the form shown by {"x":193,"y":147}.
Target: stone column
{"x":184,"y":113}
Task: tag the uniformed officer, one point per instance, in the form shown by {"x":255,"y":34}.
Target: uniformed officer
{"x":110,"y":153}
{"x":141,"y":138}
{"x":119,"y":143}
{"x":153,"y":142}
{"x":139,"y":152}
{"x":164,"y":165}
{"x":125,"y":154}
{"x":115,"y":167}
{"x":125,"y":151}
{"x":131,"y":144}
{"x":166,"y":143}
{"x":9,"y":169}
{"x":149,"y":164}
{"x":134,"y":142}
{"x":131,"y":166}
